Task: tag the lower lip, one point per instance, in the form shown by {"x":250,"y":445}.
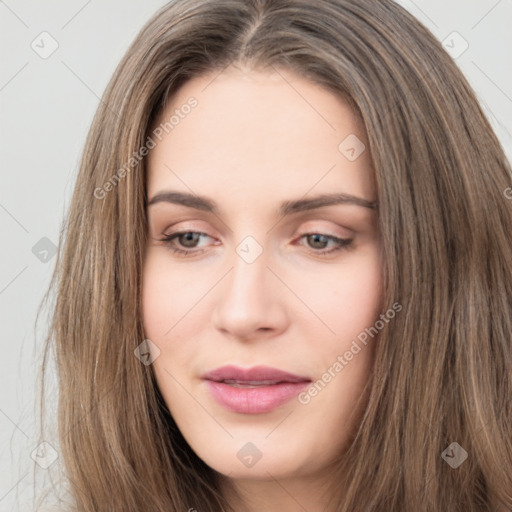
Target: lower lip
{"x":255,"y":400}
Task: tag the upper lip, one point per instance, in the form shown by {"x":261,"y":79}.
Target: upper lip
{"x":255,"y":374}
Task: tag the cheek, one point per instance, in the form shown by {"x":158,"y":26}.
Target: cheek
{"x":157,"y":303}
{"x":346,"y":359}
{"x":167,"y":296}
{"x":174,"y":317}
{"x":162,"y":310}
{"x":360,"y":295}
{"x":347,"y":298}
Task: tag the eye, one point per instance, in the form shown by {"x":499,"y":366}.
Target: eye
{"x":188,"y":239}
{"x":320,"y":241}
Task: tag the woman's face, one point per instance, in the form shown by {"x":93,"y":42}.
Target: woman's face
{"x":269,"y":280}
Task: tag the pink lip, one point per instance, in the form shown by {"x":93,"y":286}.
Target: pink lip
{"x":231,"y":387}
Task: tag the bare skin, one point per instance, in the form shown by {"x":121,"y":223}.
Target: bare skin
{"x":255,"y":140}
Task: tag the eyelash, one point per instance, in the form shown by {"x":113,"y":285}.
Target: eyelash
{"x":344,"y":243}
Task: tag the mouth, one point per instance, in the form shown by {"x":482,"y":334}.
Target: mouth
{"x":250,"y":384}
{"x":255,"y":390}
{"x":258,"y":375}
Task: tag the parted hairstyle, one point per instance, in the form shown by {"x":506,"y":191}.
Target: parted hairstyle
{"x":442,"y":371}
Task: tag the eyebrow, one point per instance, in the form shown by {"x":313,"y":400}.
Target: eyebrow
{"x":286,"y":208}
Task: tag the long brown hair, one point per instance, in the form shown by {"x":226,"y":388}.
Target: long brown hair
{"x":443,"y":368}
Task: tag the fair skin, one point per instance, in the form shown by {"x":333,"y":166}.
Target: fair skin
{"x":255,"y":140}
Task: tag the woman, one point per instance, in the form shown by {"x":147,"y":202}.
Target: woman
{"x":284,"y":282}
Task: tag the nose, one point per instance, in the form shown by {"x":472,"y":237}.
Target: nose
{"x":250,"y":300}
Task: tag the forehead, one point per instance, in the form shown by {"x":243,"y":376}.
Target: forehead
{"x":258,"y":132}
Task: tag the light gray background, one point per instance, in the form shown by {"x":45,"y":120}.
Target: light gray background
{"x":46,"y":107}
